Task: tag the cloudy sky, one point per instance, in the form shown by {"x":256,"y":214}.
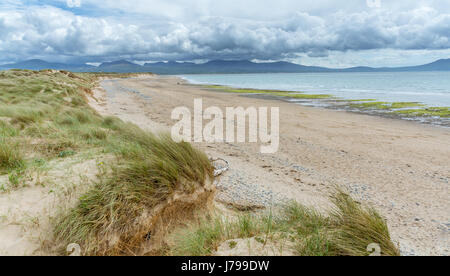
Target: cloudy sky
{"x":320,"y":32}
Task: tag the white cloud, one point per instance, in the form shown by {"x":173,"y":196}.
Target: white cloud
{"x":55,"y":34}
{"x":373,"y":3}
{"x":73,"y":3}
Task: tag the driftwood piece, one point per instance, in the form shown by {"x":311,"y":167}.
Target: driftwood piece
{"x":218,"y":168}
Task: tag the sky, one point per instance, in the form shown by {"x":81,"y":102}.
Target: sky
{"x":330,"y":33}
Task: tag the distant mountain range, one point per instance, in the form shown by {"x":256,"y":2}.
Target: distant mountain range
{"x":37,"y":64}
{"x":213,"y":67}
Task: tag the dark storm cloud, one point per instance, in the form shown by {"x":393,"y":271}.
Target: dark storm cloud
{"x":58,"y":34}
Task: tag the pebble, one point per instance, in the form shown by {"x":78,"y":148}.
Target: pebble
{"x":235,"y":189}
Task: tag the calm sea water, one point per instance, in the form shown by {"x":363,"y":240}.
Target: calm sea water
{"x":431,"y":88}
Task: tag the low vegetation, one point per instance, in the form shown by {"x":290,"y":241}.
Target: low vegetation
{"x":278,"y":93}
{"x":443,"y":112}
{"x":153,"y":168}
{"x":10,"y":156}
{"x":303,"y":96}
{"x":34,"y":110}
{"x":45,"y":115}
{"x":354,"y":100}
{"x":347,"y":230}
{"x":386,"y":105}
{"x":45,"y":118}
{"x":409,"y":109}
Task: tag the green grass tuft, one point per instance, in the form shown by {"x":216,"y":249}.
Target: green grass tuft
{"x":357,"y":227}
{"x":116,"y":206}
{"x":7,"y":130}
{"x":10,"y":156}
{"x":348,"y":229}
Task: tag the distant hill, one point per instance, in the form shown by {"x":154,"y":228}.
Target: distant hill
{"x":117,"y":63}
{"x":438,"y":65}
{"x":37,"y":64}
{"x":214,"y":67}
{"x":120,"y":66}
{"x":223,"y":66}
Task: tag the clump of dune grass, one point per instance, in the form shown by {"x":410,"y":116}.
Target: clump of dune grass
{"x":307,"y":227}
{"x":358,"y":226}
{"x":117,"y":207}
{"x":10,"y":156}
{"x":203,"y":237}
{"x":6,"y":130}
{"x":347,"y":230}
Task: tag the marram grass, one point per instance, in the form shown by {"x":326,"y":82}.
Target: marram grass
{"x":155,"y":168}
{"x":10,"y":155}
{"x":347,"y":230}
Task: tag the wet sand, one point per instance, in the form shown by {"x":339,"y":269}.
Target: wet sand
{"x":402,"y":168}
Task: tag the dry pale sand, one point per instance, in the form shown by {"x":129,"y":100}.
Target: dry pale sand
{"x":25,"y":213}
{"x":402,"y":168}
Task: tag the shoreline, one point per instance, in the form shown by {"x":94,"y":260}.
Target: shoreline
{"x":408,"y":111}
{"x":441,"y":122}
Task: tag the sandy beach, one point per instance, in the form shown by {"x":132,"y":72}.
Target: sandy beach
{"x":399,"y":167}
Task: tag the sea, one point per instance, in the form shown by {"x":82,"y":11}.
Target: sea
{"x":429,"y":88}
